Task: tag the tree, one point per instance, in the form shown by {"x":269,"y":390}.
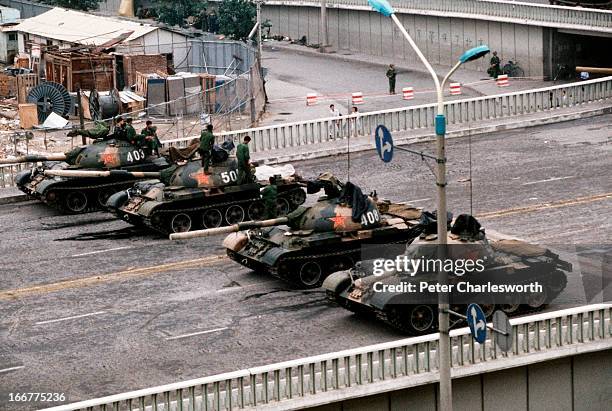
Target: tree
{"x":75,"y":4}
{"x":236,"y":18}
{"x":175,"y":12}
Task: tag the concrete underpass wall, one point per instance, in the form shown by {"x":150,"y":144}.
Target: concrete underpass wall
{"x":441,"y":39}
{"x":577,"y":383}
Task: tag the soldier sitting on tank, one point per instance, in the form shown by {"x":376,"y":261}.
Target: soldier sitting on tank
{"x":245,"y":176}
{"x":120,"y":132}
{"x":135,"y":139}
{"x":207,"y":140}
{"x":98,"y":132}
{"x":269,"y":195}
{"x":151,"y":141}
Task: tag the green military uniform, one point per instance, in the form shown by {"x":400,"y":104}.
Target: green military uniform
{"x":269,"y":195}
{"x":132,"y":137}
{"x":494,"y":69}
{"x":99,"y":131}
{"x":244,"y":168}
{"x":152,"y":144}
{"x":207,"y":140}
{"x":391,"y":74}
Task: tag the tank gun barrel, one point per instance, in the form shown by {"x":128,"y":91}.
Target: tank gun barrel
{"x":33,"y":159}
{"x":229,"y":229}
{"x":109,"y":173}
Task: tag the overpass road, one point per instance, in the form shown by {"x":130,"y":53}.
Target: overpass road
{"x":90,"y":306}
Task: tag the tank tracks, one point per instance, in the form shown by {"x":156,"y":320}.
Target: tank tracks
{"x":395,"y":321}
{"x":163,"y":220}
{"x":79,"y":199}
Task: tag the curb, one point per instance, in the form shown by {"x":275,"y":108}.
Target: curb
{"x":18,"y":198}
{"x":406,"y":140}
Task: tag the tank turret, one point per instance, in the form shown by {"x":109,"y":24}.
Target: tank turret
{"x":312,"y":242}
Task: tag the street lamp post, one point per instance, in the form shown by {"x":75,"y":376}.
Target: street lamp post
{"x":444,"y":352}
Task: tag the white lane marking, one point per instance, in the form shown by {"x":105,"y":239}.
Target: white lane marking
{"x":547,"y":180}
{"x":102,"y":251}
{"x":419,"y":200}
{"x":70,"y":318}
{"x":12,"y":369}
{"x":196,"y":333}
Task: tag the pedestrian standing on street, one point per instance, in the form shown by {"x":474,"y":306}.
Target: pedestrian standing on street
{"x":244,"y":161}
{"x":494,"y":66}
{"x":269,"y":194}
{"x":151,"y":140}
{"x":207,"y":140}
{"x":335,"y":125}
{"x":391,"y":74}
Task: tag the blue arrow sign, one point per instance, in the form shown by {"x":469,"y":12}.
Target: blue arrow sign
{"x":384,"y":143}
{"x":477,"y":322}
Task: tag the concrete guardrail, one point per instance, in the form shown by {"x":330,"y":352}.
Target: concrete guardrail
{"x":505,"y":11}
{"x":377,"y":368}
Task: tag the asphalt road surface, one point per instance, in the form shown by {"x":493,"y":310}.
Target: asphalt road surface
{"x":90,"y":306}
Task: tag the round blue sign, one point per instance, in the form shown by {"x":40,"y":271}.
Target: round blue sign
{"x":477,"y":322}
{"x":384,"y":143}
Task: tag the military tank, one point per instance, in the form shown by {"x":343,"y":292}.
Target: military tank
{"x":80,"y":195}
{"x":312,"y":242}
{"x":506,"y":262}
{"x":184,"y":197}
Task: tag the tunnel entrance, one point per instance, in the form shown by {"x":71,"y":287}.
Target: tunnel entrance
{"x":571,"y":49}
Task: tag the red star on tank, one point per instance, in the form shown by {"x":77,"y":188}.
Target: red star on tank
{"x":338,"y":220}
{"x":202,"y":178}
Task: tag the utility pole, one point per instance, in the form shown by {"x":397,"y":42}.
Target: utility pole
{"x":323,"y":30}
{"x":259,"y":41}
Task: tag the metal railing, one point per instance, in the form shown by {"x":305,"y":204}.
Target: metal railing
{"x":419,"y":117}
{"x":509,"y":12}
{"x":549,"y":335}
{"x":8,"y":173}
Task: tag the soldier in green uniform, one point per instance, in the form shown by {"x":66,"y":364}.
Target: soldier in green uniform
{"x":151,"y":140}
{"x":130,"y":132}
{"x":494,"y":69}
{"x":244,"y":163}
{"x":120,"y":132}
{"x":207,"y":140}
{"x":99,"y":131}
{"x":391,"y":74}
{"x":269,"y":195}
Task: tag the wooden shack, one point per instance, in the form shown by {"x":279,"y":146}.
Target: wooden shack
{"x":82,"y":69}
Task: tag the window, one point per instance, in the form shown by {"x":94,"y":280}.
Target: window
{"x":12,"y":36}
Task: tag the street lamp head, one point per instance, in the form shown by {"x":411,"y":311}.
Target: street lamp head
{"x":474,"y":53}
{"x":381,"y":6}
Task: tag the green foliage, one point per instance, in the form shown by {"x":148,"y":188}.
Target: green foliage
{"x":74,"y":4}
{"x":236,"y":18}
{"x":174,"y":12}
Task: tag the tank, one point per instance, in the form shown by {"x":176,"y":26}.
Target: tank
{"x":84,"y":194}
{"x":184,"y":198}
{"x":505,"y":261}
{"x":312,"y":242}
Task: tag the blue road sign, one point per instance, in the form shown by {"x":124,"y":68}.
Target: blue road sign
{"x":384,"y":143}
{"x":477,"y":322}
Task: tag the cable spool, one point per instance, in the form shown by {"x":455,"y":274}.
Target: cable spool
{"x":50,"y":98}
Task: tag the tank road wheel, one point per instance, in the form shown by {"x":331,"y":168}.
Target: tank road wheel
{"x":282,"y":207}
{"x":421,"y":318}
{"x":537,"y":300}
{"x":488,"y":310}
{"x":256,"y":210}
{"x":297,"y":197}
{"x":180,"y":223}
{"x":510,"y":308}
{"x":103,"y":196}
{"x":212,"y":218}
{"x":311,"y":274}
{"x":234,"y":214}
{"x":76,"y":202}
